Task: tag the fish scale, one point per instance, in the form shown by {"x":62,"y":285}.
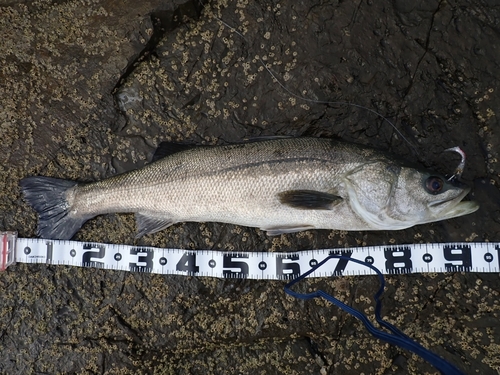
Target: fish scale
{"x":280,"y":185}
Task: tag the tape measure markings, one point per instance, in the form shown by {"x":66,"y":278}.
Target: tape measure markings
{"x":390,"y":259}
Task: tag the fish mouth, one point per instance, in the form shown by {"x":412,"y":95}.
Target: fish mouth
{"x":454,"y":207}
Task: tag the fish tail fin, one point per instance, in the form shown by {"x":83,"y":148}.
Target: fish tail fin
{"x":47,"y":196}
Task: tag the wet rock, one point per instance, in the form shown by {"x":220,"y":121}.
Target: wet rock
{"x":90,"y":89}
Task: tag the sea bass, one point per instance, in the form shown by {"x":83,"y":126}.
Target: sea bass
{"x":279,"y":185}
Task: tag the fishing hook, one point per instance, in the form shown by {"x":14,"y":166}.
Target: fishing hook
{"x":461,"y":166}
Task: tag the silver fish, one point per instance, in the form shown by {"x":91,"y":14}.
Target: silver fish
{"x":279,"y":185}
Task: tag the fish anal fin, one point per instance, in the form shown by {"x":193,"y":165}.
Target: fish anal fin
{"x":150,"y":223}
{"x":309,"y":199}
{"x":276,"y":231}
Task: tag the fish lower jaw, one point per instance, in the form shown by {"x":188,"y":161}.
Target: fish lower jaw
{"x":461,"y":209}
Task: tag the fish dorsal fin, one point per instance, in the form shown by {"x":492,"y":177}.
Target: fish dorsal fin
{"x":309,"y":199}
{"x":150,"y":223}
{"x":169,"y":148}
{"x":260,"y":138}
{"x":166,"y":148}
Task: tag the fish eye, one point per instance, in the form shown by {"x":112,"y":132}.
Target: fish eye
{"x":434,"y":184}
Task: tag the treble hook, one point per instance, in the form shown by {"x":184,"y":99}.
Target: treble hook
{"x":461,"y":166}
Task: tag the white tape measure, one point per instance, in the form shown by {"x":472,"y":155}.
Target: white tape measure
{"x":392,"y":259}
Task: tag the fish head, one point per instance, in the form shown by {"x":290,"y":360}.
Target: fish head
{"x":424,"y":197}
{"x":392,"y":197}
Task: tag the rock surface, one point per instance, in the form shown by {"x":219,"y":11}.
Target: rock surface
{"x":89,"y":88}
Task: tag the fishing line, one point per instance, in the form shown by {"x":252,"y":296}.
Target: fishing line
{"x":295,"y":266}
{"x":286,"y":89}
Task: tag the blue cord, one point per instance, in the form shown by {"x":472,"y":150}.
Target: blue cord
{"x":397,"y":337}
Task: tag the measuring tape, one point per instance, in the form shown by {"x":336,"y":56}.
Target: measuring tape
{"x":393,"y":259}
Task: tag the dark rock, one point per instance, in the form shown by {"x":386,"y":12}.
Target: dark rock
{"x":90,"y":89}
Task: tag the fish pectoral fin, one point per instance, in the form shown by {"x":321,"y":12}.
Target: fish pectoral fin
{"x":276,"y":231}
{"x":150,"y":223}
{"x":309,"y":199}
